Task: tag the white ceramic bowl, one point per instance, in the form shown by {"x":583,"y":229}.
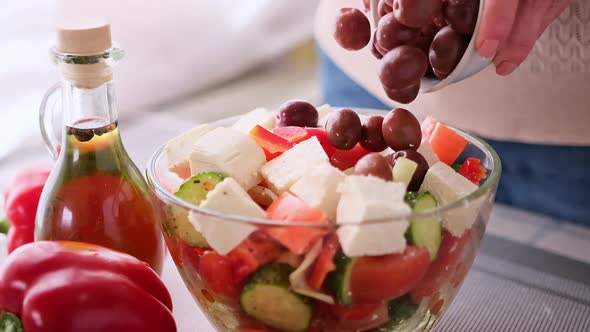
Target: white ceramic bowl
{"x":471,"y":63}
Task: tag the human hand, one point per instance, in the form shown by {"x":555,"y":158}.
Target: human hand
{"x":510,"y":29}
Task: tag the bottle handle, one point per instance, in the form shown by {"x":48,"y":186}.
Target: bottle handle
{"x":47,"y":117}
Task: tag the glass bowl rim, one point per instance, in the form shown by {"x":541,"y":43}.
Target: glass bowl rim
{"x":169,"y":198}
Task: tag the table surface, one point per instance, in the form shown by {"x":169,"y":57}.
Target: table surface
{"x":515,"y":287}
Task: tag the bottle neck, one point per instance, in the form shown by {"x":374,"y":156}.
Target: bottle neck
{"x":80,"y":105}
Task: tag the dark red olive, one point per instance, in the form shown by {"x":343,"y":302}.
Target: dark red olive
{"x":437,"y":14}
{"x":446,"y":51}
{"x":297,"y":113}
{"x":343,"y":128}
{"x":405,"y":95}
{"x":372,"y":134}
{"x":413,"y":13}
{"x":376,"y":165}
{"x":353,"y":30}
{"x":421,"y":169}
{"x":425,"y":38}
{"x":390,"y":33}
{"x":401,"y":130}
{"x":461,"y":15}
{"x":402,"y":67}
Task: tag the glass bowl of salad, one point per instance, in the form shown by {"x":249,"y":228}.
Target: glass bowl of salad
{"x":277,"y":224}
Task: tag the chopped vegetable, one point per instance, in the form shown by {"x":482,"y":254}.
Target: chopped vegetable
{"x":325,"y":262}
{"x":291,"y":208}
{"x":473,"y":170}
{"x":447,"y":144}
{"x":272,"y":144}
{"x":267,"y":298}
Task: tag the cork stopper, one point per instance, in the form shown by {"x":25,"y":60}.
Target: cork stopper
{"x":88,"y":39}
{"x":82,"y":40}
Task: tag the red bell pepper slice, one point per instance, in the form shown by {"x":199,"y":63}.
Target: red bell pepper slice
{"x":345,"y":159}
{"x":51,"y":282}
{"x":473,"y":171}
{"x":217,"y":272}
{"x":289,"y":207}
{"x":292,"y":134}
{"x":272,"y":144}
{"x":324,"y":263}
{"x":322,"y":136}
{"x":21,"y":199}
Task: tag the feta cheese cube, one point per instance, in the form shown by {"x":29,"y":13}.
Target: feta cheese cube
{"x":282,"y":172}
{"x":319,"y":188}
{"x":448,"y":186}
{"x":230,"y":198}
{"x":365,"y":198}
{"x":425,"y":150}
{"x":179,"y":148}
{"x":373,"y":239}
{"x":230,"y":152}
{"x":258,"y":116}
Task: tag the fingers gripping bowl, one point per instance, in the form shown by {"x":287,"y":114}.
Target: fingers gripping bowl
{"x":276,"y":253}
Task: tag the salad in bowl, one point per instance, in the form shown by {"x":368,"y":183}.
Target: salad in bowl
{"x":324,"y":219}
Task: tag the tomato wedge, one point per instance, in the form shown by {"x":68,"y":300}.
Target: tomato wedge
{"x":216,"y":270}
{"x":383,"y":278}
{"x":272,"y":144}
{"x":258,"y":249}
{"x":324,"y":263}
{"x":442,"y":269}
{"x":292,"y":134}
{"x":345,"y":159}
{"x":289,"y":207}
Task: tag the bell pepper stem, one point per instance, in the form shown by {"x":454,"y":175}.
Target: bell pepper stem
{"x":10,"y":323}
{"x":4,"y":227}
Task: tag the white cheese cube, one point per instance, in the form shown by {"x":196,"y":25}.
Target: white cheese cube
{"x":258,"y":116}
{"x":366,"y":198}
{"x":319,"y":188}
{"x":373,"y":239}
{"x":230,"y":198}
{"x":323,"y":113}
{"x":282,"y":172}
{"x":179,"y":149}
{"x":230,"y":152}
{"x":448,"y":186}
{"x":425,"y":150}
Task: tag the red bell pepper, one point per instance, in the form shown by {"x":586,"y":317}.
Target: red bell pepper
{"x":21,"y":199}
{"x":325,"y":262}
{"x":292,"y":134}
{"x":345,"y":159}
{"x":272,"y":144}
{"x":473,"y":171}
{"x":71,"y":286}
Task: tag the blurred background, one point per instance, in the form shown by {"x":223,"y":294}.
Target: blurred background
{"x":193,"y":60}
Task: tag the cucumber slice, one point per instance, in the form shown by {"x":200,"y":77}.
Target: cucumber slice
{"x":10,"y":323}
{"x":268,"y":299}
{"x":403,"y":170}
{"x":424,"y":232}
{"x":400,"y":311}
{"x":194,"y":190}
{"x":339,"y":279}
